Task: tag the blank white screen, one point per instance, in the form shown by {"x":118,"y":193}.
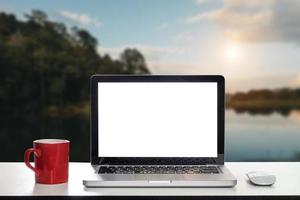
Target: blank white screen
{"x":157,"y":119}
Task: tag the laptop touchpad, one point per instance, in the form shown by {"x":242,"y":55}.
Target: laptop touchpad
{"x":159,"y":181}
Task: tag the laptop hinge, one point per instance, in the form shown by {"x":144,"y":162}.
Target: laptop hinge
{"x":105,"y":165}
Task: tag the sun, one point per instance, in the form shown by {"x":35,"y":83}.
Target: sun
{"x":232,"y":52}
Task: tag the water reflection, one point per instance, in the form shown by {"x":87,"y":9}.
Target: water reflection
{"x":250,"y":136}
{"x":263,"y":111}
{"x":295,"y":115}
{"x":272,"y":137}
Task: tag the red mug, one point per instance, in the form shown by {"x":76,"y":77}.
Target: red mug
{"x":51,"y":160}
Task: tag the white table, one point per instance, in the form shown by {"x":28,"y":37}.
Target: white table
{"x":17,"y":180}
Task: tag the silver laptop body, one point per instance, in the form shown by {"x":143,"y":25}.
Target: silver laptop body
{"x":158,"y":131}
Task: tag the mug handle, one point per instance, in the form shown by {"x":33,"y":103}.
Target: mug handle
{"x":27,"y":159}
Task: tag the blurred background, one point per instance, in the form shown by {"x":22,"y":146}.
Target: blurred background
{"x":48,"y":51}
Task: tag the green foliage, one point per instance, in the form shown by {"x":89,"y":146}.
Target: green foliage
{"x":44,"y":64}
{"x":134,"y":61}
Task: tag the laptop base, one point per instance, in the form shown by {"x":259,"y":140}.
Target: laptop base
{"x":224,"y":179}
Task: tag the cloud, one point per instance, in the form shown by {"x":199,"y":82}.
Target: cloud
{"x":199,"y":2}
{"x":184,"y":37}
{"x":258,"y":82}
{"x":175,"y":68}
{"x":295,"y":82}
{"x":256,"y":20}
{"x":80,"y":18}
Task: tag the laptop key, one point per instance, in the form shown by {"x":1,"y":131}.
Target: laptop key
{"x":159,"y":170}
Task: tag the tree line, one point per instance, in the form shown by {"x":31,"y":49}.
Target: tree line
{"x":44,"y":63}
{"x":267,"y":94}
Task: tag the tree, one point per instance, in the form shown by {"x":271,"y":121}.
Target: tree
{"x":44,"y":64}
{"x":84,"y":38}
{"x":37,"y":16}
{"x":134,"y":62}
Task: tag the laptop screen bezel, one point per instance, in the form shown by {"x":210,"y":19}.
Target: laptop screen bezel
{"x":96,"y":160}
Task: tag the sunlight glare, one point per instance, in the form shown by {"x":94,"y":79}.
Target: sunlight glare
{"x":232,"y":53}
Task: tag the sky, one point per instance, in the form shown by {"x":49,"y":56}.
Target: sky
{"x":254,"y":44}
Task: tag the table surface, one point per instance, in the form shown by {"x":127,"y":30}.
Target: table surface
{"x":17,"y":180}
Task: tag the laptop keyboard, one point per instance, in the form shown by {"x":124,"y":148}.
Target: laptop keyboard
{"x":159,"y":170}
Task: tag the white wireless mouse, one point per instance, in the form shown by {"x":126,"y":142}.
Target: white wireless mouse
{"x":261,"y":178}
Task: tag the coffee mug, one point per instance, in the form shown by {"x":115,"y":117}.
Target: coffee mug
{"x":51,"y":159}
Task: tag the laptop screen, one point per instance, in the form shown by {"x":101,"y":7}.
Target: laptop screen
{"x":157,"y":119}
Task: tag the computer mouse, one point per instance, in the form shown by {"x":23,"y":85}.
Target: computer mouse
{"x":261,"y":178}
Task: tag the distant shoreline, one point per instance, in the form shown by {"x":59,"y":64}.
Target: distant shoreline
{"x":264,"y":104}
{"x":265,"y":99}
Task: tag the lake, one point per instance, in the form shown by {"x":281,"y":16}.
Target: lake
{"x":272,"y":136}
{"x":262,"y":137}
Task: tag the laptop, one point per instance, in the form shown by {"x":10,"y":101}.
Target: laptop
{"x":158,"y":131}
